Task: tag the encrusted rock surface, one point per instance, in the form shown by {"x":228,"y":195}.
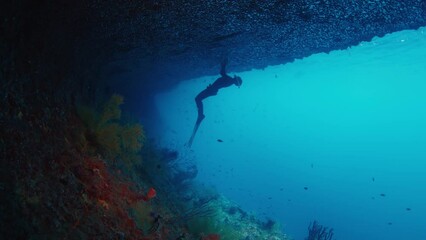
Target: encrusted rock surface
{"x":162,"y":42}
{"x":174,"y":40}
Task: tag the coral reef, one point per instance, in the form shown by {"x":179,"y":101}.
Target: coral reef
{"x":59,"y":180}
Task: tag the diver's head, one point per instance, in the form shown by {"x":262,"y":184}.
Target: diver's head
{"x":238,"y":80}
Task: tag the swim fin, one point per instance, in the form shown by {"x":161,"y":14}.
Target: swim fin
{"x":197,"y":125}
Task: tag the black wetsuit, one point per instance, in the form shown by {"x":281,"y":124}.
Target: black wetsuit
{"x":212,"y":89}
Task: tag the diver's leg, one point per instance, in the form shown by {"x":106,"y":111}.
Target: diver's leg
{"x":200,"y":108}
{"x":208,"y":92}
{"x":199,"y":101}
{"x":223,"y":67}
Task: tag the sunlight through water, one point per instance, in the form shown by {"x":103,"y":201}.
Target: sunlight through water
{"x":339,"y":138}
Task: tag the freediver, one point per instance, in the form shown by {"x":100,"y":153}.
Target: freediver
{"x":224,"y":81}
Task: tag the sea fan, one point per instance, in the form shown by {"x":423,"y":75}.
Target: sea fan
{"x":108,"y":135}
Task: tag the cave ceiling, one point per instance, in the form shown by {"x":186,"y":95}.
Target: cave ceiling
{"x":150,"y":45}
{"x":167,"y":41}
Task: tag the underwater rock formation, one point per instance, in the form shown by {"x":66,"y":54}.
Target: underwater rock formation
{"x":162,"y":42}
{"x":182,"y":39}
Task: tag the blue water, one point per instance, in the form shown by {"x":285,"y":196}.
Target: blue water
{"x":349,"y":126}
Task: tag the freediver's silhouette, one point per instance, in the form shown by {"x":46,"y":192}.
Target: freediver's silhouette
{"x":224,"y":81}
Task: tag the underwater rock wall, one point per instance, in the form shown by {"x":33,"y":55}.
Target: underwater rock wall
{"x":163,"y":42}
{"x":177,"y":40}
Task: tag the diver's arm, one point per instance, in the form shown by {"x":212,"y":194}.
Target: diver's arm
{"x":223,"y":67}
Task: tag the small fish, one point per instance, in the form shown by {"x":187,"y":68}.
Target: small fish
{"x":312,"y":165}
{"x":408,"y":209}
{"x":270,"y":198}
{"x":306,"y":188}
{"x":373,"y":179}
{"x":382,"y":194}
{"x":389,"y":223}
{"x":219,"y":140}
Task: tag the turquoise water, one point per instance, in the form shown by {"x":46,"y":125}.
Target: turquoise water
{"x":349,"y":126}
